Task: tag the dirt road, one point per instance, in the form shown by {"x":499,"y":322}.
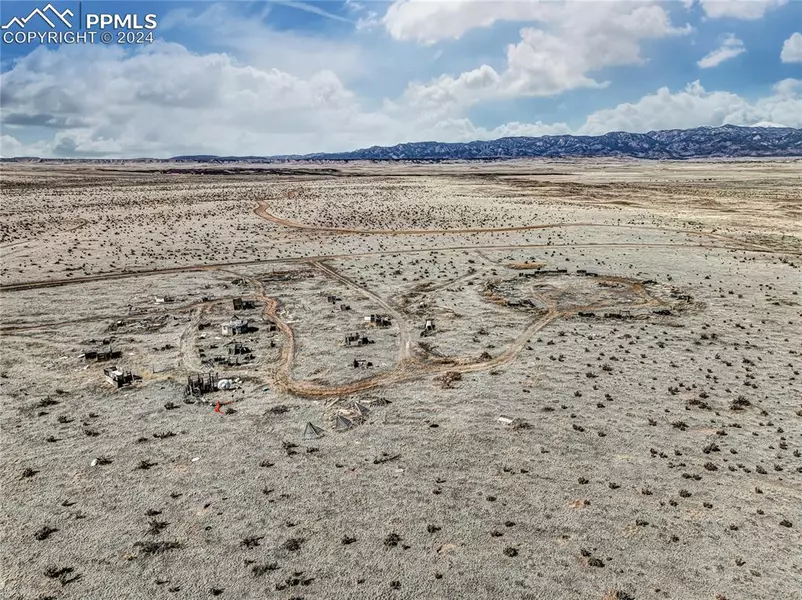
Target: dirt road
{"x":261,"y":211}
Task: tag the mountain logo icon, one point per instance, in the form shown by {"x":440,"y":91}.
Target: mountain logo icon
{"x":48,"y":14}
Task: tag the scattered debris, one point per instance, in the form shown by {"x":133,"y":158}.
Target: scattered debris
{"x":240,"y":304}
{"x":102,"y":354}
{"x":385,"y":458}
{"x":356,"y":339}
{"x":448,"y":378}
{"x":118,"y":377}
{"x":312,"y":432}
{"x":342,"y":424}
{"x":235,"y":326}
{"x":150,"y":547}
{"x":379,"y":320}
{"x":201,"y":383}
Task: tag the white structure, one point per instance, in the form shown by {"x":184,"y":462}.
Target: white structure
{"x":234,"y":326}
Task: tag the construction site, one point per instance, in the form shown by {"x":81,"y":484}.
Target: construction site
{"x":522,"y":379}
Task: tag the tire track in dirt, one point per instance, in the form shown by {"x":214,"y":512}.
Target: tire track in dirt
{"x":113,"y":276}
{"x":189,"y":358}
{"x":131,"y":315}
{"x":409,"y":367}
{"x":262,"y":212}
{"x":404,"y":330}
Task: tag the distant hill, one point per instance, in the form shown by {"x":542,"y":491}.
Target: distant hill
{"x":728,"y":141}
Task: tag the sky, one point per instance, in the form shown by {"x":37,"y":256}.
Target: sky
{"x":294,"y":77}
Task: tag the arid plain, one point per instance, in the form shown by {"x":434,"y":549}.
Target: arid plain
{"x":524,"y":379}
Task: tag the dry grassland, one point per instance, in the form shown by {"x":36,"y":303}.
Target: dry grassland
{"x":608,"y":405}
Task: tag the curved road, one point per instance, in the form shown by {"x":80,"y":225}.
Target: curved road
{"x":262,"y":212}
{"x":407,"y":366}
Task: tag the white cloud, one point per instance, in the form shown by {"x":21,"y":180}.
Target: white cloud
{"x":428,"y":22}
{"x":163,"y":100}
{"x":354,"y":6}
{"x":253,"y":42}
{"x":310,"y":8}
{"x":9,"y":146}
{"x":788,"y":88}
{"x":731,"y":48}
{"x":462,"y":130}
{"x":747,"y":10}
{"x":694,"y":107}
{"x":792,"y":49}
{"x":578,"y":38}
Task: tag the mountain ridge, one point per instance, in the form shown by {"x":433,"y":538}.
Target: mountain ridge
{"x":727,"y":141}
{"x":700,"y":142}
